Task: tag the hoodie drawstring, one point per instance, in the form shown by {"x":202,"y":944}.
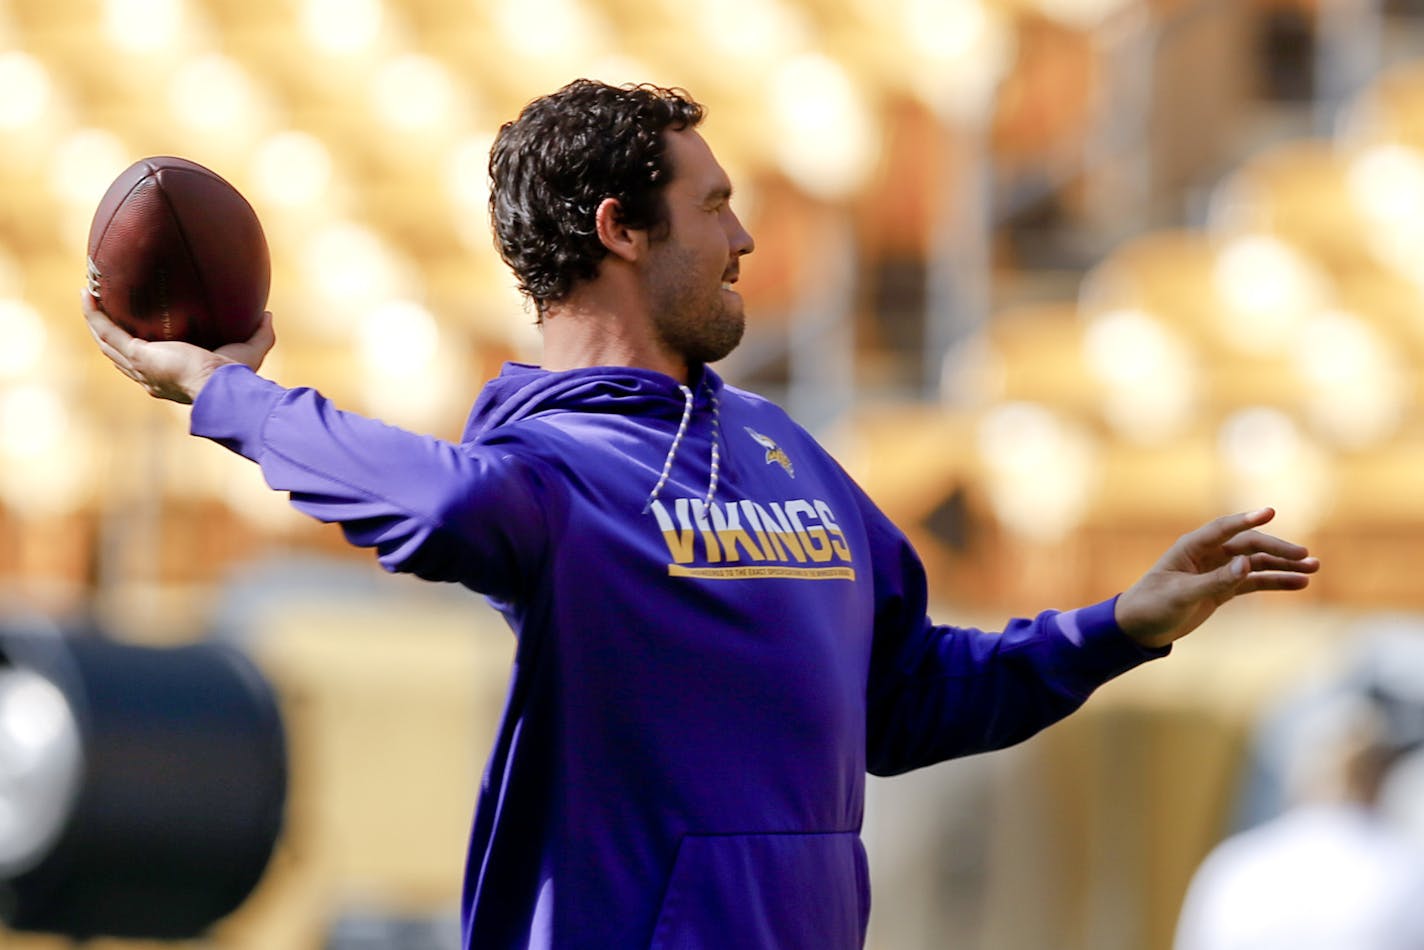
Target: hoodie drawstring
{"x":716,"y":455}
{"x":677,"y":443}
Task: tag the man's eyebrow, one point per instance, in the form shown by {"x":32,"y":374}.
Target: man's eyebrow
{"x":719,"y":193}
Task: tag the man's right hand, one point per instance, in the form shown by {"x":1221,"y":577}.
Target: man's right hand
{"x":170,"y":369}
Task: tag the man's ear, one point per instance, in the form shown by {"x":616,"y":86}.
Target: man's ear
{"x":621,"y":240}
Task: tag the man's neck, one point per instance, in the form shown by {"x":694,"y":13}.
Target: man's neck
{"x":584,"y":330}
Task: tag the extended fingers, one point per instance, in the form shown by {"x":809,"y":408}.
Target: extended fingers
{"x":1268,"y":571}
{"x":1272,"y":580}
{"x":1262,"y":561}
{"x":1219,"y":531}
{"x":1254,"y":542}
{"x":1236,"y":534}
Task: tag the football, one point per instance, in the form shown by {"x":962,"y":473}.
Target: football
{"x":177,"y":253}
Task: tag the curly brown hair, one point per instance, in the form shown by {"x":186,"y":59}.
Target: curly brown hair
{"x":554,"y":165}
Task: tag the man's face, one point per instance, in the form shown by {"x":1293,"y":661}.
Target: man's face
{"x":696,"y":313}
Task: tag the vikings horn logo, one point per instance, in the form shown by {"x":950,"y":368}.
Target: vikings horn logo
{"x":774,"y":452}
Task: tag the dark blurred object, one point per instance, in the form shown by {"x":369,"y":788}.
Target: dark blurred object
{"x":141,"y":789}
{"x":1286,"y":54}
{"x":1391,"y":677}
{"x":1380,"y":668}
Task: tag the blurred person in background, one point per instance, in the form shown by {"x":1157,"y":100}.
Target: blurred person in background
{"x":718,"y":633}
{"x":1334,"y":867}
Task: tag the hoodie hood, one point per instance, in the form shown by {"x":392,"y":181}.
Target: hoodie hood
{"x":522,"y":391}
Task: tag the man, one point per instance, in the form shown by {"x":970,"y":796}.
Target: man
{"x":718,"y":633}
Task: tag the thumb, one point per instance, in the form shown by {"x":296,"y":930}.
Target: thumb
{"x":1219,"y":585}
{"x":1227,"y":577}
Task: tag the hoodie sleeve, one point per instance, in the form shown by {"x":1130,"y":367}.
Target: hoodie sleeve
{"x":464,"y":513}
{"x":937,"y":692}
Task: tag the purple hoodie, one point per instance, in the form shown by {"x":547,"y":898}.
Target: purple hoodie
{"x":718,"y":636}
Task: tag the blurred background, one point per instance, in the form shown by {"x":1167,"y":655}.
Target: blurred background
{"x":1056,"y":279}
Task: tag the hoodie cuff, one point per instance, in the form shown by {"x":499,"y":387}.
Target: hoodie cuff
{"x":232,"y":409}
{"x":1106,"y":650}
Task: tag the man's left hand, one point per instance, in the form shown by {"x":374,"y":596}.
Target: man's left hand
{"x":1203,"y":570}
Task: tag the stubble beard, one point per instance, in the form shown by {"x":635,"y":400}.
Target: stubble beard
{"x":698,"y":326}
{"x":702,"y":334}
